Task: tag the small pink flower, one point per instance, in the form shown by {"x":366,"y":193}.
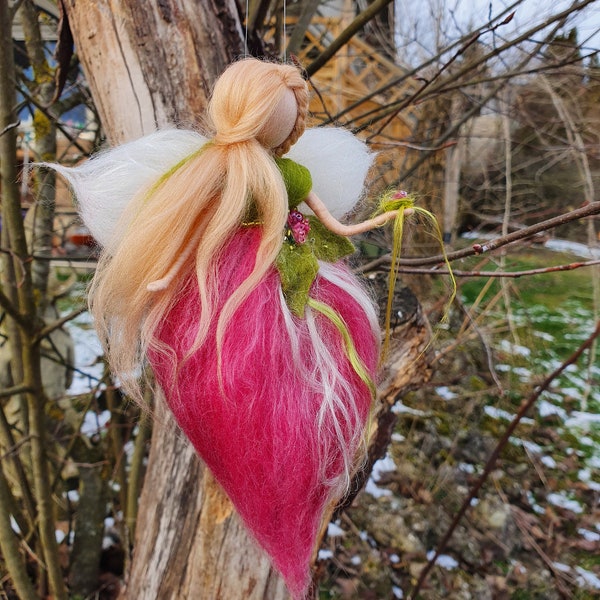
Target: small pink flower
{"x":299,"y":226}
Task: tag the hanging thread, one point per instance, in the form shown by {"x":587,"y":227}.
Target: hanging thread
{"x":246,"y":31}
{"x":283,"y":40}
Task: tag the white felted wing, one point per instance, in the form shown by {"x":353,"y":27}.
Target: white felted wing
{"x":105,"y":184}
{"x":338,"y":162}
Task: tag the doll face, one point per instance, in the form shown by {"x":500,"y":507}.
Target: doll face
{"x":281,"y":123}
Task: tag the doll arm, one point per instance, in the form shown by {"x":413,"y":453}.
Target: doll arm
{"x":164,"y":282}
{"x":323,"y":214}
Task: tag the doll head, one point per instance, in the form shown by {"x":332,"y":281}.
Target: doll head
{"x":259,"y":100}
{"x":194,"y":211}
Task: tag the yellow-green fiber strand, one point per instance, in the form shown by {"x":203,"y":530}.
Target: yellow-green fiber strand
{"x":158,"y":183}
{"x":351,"y":352}
{"x":389,"y":202}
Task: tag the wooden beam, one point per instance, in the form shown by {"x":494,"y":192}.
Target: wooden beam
{"x":359,"y":22}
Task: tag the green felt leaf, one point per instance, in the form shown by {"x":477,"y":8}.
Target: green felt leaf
{"x":298,"y":263}
{"x":298,"y":268}
{"x":326,"y":245}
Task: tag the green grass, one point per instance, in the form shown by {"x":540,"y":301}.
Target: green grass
{"x":552,"y":290}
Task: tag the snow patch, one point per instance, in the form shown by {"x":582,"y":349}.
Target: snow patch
{"x":445,"y":392}
{"x":546,"y":409}
{"x":383,"y":465}
{"x":582,"y":420}
{"x":375,"y":491}
{"x":93,"y":423}
{"x":560,"y":499}
{"x":443,"y":560}
{"x":573,"y":247}
{"x":334,"y":530}
{"x":516,"y":349}
{"x":548,"y":461}
{"x":466,"y":468}
{"x":88,"y":350}
{"x":14,"y":525}
{"x":540,"y":510}
{"x":588,"y":578}
{"x":590,"y":536}
{"x":73,"y":496}
{"x":400,"y":408}
{"x":585,"y":475}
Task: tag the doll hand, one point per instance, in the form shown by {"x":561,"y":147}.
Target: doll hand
{"x":391,"y":203}
{"x":392,"y":214}
{"x":383,"y":218}
{"x":158,"y":285}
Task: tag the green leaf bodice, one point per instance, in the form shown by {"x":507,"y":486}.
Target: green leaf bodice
{"x":298,"y":263}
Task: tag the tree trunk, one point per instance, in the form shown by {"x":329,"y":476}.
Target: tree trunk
{"x":454,"y":158}
{"x":150,"y":64}
{"x":190,"y":543}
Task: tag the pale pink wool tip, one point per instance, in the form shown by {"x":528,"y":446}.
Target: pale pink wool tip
{"x":259,"y":433}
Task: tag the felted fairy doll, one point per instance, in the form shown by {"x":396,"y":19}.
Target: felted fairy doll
{"x":222,"y":267}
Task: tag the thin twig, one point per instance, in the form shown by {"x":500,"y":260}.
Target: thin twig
{"x":15,"y":390}
{"x":53,"y":118}
{"x":426,"y":83}
{"x":525,"y":407}
{"x":559,"y":576}
{"x":470,"y":67}
{"x":593,"y":208}
{"x":395,"y":82}
{"x":9,"y":308}
{"x":20,"y":261}
{"x":14,"y":448}
{"x":486,"y":347}
{"x":46,"y":331}
{"x":507,"y":274}
{"x":364,"y":17}
{"x":9,"y":127}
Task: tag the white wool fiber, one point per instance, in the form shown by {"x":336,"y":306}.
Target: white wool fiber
{"x":338,"y":162}
{"x":107,"y":182}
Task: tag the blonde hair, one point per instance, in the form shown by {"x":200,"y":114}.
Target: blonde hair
{"x":202,"y":201}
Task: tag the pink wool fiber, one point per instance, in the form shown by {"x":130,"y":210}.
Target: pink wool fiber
{"x":261,"y":432}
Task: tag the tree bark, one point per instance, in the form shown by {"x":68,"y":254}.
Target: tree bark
{"x":190,"y":543}
{"x":149,"y":66}
{"x":152,"y":64}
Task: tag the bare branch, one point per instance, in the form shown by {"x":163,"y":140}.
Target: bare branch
{"x":15,"y":391}
{"x":10,"y":546}
{"x":17,"y":260}
{"x":11,"y":309}
{"x":308,"y":10}
{"x":52,"y":116}
{"x":500,"y":274}
{"x":593,"y":208}
{"x":393,"y":109}
{"x":413,"y":72}
{"x":525,"y":407}
{"x":46,"y":331}
{"x":9,"y":127}
{"x":364,"y":17}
